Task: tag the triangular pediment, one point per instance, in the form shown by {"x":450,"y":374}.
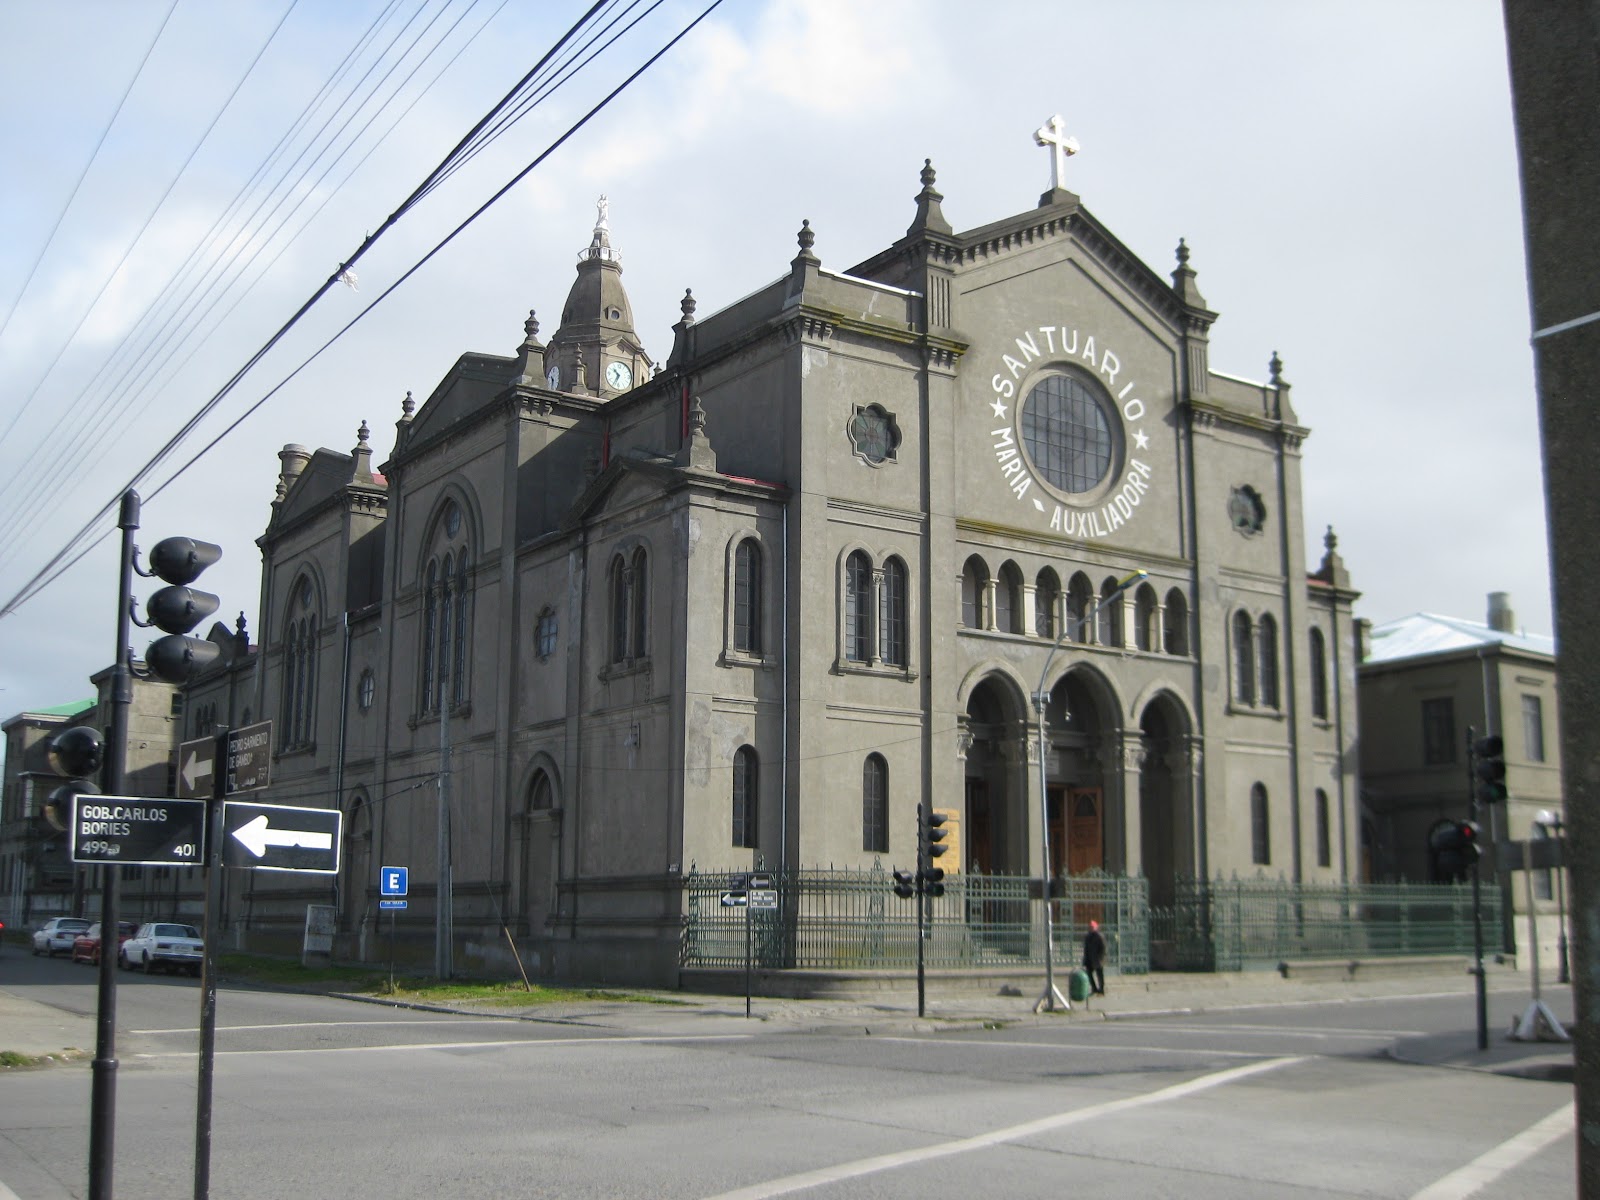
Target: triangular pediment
{"x":468,"y":388}
{"x":626,"y":482}
{"x":322,"y":478}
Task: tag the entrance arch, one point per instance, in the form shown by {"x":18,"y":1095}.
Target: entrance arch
{"x":995,"y":833}
{"x":1166,"y":820}
{"x":1080,"y":726}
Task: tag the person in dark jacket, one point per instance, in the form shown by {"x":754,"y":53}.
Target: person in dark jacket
{"x":1094,"y":958}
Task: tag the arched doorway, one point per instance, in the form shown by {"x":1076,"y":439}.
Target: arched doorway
{"x":1164,"y":817}
{"x":995,"y":835}
{"x":1077,"y":719}
{"x":541,"y":859}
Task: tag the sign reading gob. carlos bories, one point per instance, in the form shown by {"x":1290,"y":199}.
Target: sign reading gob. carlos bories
{"x":138,"y":830}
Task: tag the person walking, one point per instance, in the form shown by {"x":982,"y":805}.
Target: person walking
{"x":1094,"y":958}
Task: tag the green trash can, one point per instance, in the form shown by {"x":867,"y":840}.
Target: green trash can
{"x":1078,"y":985}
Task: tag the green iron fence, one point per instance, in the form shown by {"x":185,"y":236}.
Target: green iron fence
{"x":851,"y":920}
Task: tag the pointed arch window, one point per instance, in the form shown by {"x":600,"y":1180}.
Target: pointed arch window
{"x":630,"y":604}
{"x":975,"y":594}
{"x":641,"y":603}
{"x":1146,"y":627}
{"x":1175,"y":623}
{"x":1244,"y":659}
{"x":745,"y":798}
{"x":1046,"y":592}
{"x":1080,"y":603}
{"x":892,"y":614}
{"x":445,"y":669}
{"x":875,"y":805}
{"x":1324,"y":831}
{"x":1319,"y":676}
{"x":1260,"y":830}
{"x":858,"y":607}
{"x":1110,"y":615}
{"x":1008,"y":600}
{"x":299,"y":669}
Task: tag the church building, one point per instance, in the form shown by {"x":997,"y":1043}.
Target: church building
{"x":598,"y":621}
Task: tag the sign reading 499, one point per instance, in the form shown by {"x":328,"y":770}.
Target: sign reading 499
{"x":138,"y":830}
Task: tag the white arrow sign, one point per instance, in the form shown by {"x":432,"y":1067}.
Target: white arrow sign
{"x":255,"y":836}
{"x":194,"y":770}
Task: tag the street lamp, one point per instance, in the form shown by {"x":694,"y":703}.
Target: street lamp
{"x":1553,"y":822}
{"x":1052,"y":998}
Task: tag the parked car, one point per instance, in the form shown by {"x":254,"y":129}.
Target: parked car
{"x":86,"y":946}
{"x":163,"y":944}
{"x":57,"y":934}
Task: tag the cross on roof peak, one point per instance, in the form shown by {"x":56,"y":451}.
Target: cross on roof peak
{"x":1053,"y":134}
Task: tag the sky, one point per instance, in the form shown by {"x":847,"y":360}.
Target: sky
{"x":1344,"y":174}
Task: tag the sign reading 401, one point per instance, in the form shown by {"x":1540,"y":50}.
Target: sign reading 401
{"x":138,"y":830}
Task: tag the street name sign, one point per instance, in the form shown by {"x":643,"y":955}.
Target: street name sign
{"x":249,"y":758}
{"x":763,"y":898}
{"x":733,"y":899}
{"x":138,"y":830}
{"x":280,"y":837}
{"x":391,"y":904}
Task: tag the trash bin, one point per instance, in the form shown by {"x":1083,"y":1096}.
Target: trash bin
{"x":1078,"y":985}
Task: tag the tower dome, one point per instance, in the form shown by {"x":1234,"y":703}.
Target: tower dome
{"x":598,"y":318}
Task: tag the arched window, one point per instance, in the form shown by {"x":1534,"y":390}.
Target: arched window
{"x":430,"y":634}
{"x":858,"y":607}
{"x":1008,"y":600}
{"x":1146,"y":633}
{"x":1110,"y":617}
{"x":745,"y":798}
{"x":1267,"y":657}
{"x":975,"y":594}
{"x":630,"y":599}
{"x":446,"y":642}
{"x":747,"y":597}
{"x":545,"y":633}
{"x":299,"y":668}
{"x":1175,"y":623}
{"x":462,"y":604}
{"x":1046,"y":592}
{"x":1319,"y":676}
{"x":541,"y":797}
{"x":875,"y":805}
{"x":1080,"y":603}
{"x":1324,"y":831}
{"x":1260,"y":831}
{"x":892,"y":614}
{"x":1244,"y":659}
{"x":447,"y":607}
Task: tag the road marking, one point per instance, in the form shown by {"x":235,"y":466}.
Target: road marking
{"x":983,"y":1141}
{"x":497,"y":1045}
{"x":1287,"y":1030}
{"x":337,"y":1024}
{"x":1079,"y":1048}
{"x":1486,"y":1168}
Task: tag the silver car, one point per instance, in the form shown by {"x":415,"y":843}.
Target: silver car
{"x":165,"y":945}
{"x":57,"y":934}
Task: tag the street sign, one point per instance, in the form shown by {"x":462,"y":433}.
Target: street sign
{"x":738,"y":881}
{"x":197,"y":768}
{"x":138,"y":830}
{"x":392,"y":904}
{"x":760,"y":879}
{"x":393,"y":881}
{"x":278,"y":837}
{"x":249,"y":762}
{"x":733,"y":899}
{"x":763,"y":898}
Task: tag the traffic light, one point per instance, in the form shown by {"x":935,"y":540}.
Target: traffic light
{"x":933,"y":882}
{"x":930,"y":845}
{"x":1489,"y":769}
{"x":77,"y":753}
{"x":905,"y":884}
{"x":178,"y":608}
{"x":1456,"y":849}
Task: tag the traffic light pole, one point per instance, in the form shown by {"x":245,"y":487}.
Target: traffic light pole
{"x":1477,"y":900}
{"x":103,"y":1096}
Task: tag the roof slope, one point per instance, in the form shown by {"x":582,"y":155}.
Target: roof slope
{"x":1425,"y":633}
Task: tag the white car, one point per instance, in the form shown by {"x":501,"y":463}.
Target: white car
{"x":163,"y":944}
{"x":57,"y":934}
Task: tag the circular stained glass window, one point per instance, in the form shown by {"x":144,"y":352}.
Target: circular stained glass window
{"x":1067,"y":434}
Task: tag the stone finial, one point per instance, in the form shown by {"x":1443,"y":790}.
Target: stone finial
{"x":408,"y":406}
{"x":930,"y":217}
{"x":807,"y":238}
{"x":1183,"y":253}
{"x":530,"y":329}
{"x":1330,"y":540}
{"x":1275,"y":368}
{"x":1183,"y":279}
{"x":1332,"y":570}
{"x":580,"y":370}
{"x":687,"y":306}
{"x":697,"y":453}
{"x":363,"y":433}
{"x":529,"y":371}
{"x":361,"y":457}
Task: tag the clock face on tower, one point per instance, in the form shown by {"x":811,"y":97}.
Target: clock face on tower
{"x":619,"y":376}
{"x":553,"y":378}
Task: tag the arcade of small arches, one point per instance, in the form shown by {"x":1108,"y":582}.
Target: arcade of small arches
{"x":1004,"y":601}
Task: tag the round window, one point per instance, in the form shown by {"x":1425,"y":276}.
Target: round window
{"x":1067,"y":433}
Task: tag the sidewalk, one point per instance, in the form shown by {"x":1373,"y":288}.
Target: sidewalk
{"x":30,"y":1028}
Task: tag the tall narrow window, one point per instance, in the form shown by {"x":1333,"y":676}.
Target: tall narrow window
{"x":1324,"y":831}
{"x":1319,"y":676}
{"x":1260,"y":831}
{"x":1438,"y":731}
{"x":1046,"y":593}
{"x":1533,"y":727}
{"x":1267,"y":636}
{"x":1175,"y":623}
{"x":1080,"y":603}
{"x":641,"y":604}
{"x":621,"y":607}
{"x":747,"y":597}
{"x":1244,"y":659}
{"x":745,"y":798}
{"x":430,"y":635}
{"x":447,"y":605}
{"x":1110,"y":616}
{"x":1146,"y":630}
{"x":299,"y":665}
{"x":892,"y":614}
{"x":975,"y":594}
{"x":858,"y":608}
{"x":875,"y":805}
{"x":460,"y":638}
{"x":1008,"y":600}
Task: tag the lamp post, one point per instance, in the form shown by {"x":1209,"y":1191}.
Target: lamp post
{"x":1553,"y":822}
{"x":1052,"y":998}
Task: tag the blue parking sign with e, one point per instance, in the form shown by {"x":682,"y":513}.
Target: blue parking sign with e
{"x":392,"y":881}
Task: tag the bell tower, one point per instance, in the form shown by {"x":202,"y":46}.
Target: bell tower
{"x":596,"y":352}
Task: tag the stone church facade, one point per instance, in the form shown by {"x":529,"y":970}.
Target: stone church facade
{"x":749,"y":606}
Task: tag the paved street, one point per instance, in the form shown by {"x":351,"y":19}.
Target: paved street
{"x":323,"y":1096}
